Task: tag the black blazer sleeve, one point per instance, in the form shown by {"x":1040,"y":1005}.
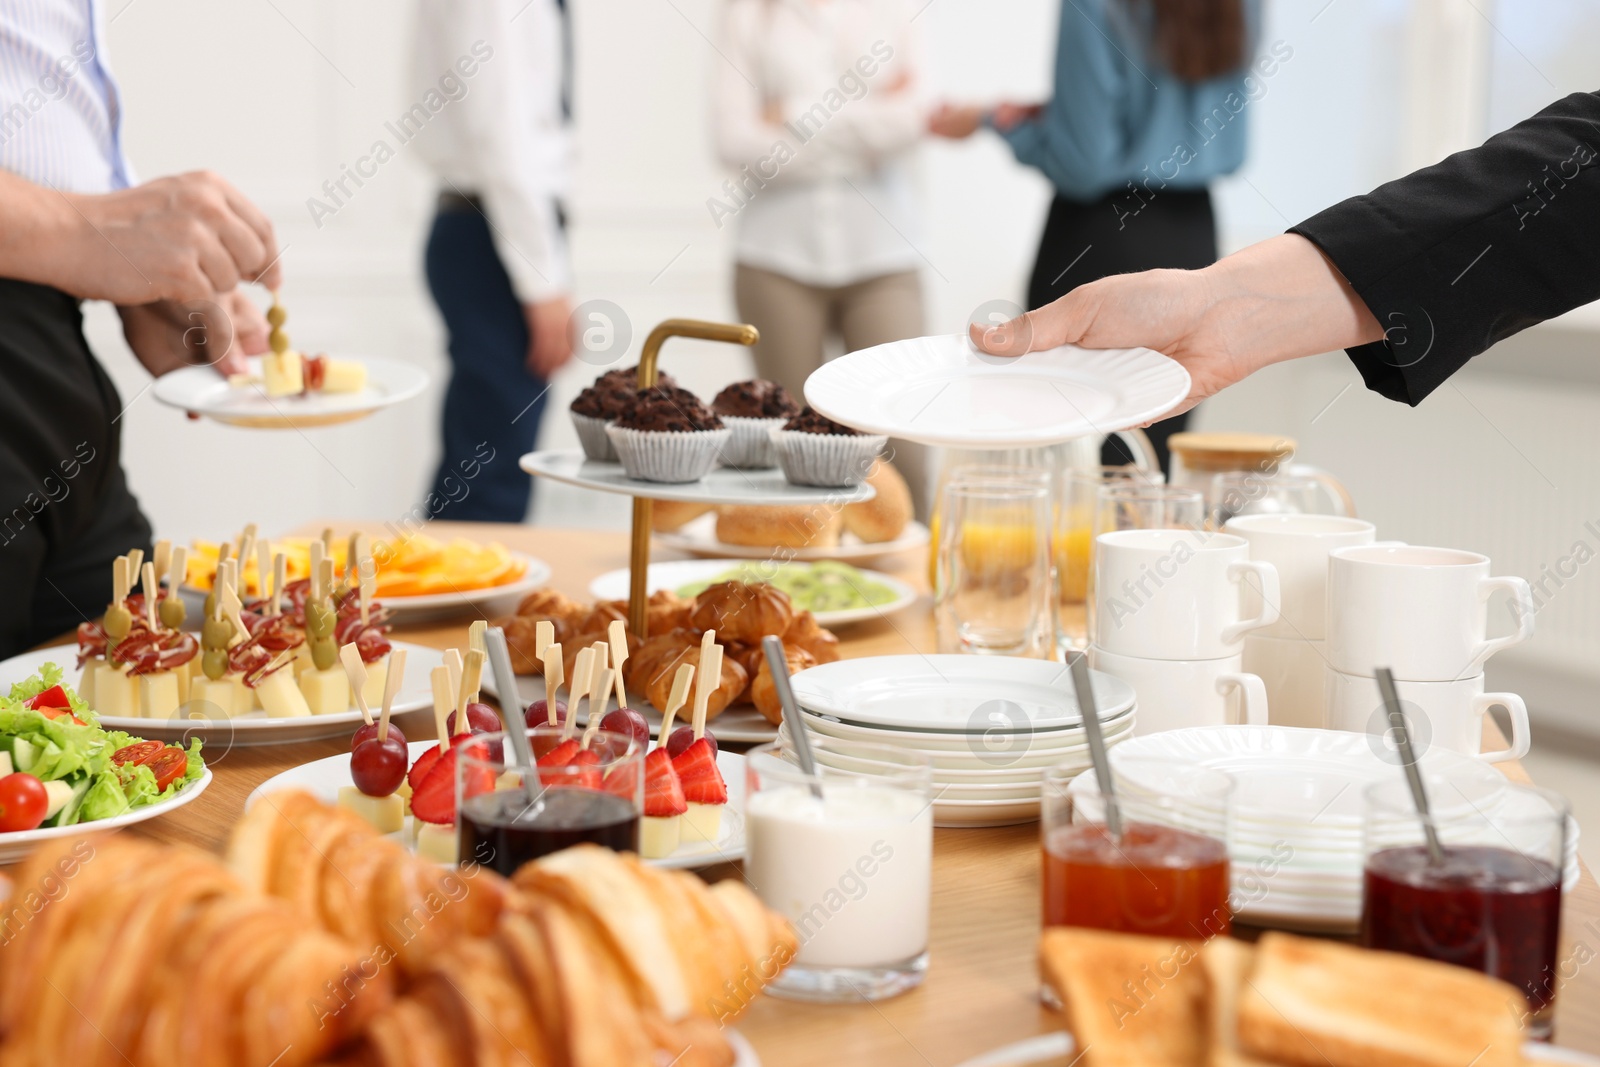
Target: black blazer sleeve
{"x":1459,"y":255}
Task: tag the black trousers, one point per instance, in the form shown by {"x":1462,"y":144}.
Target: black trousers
{"x":65,"y":508}
{"x":1119,"y":234}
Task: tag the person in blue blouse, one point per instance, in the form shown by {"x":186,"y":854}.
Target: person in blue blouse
{"x":1150,"y":103}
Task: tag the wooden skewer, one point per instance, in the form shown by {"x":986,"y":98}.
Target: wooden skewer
{"x":280,"y":575}
{"x":317,"y":592}
{"x":619,"y":655}
{"x":453,"y":664}
{"x":228,"y":601}
{"x":553,"y":666}
{"x":352,"y":560}
{"x":471,"y":676}
{"x":150,"y":591}
{"x":582,"y":670}
{"x":391,"y":689}
{"x":180,"y":570}
{"x":135,"y":561}
{"x":710,"y":678}
{"x":264,"y":585}
{"x":441,"y":705}
{"x":327,"y":541}
{"x":680,"y":694}
{"x":544,"y":634}
{"x":599,"y":691}
{"x":475,"y":643}
{"x":162,"y":557}
{"x":367,"y":589}
{"x":356,"y":671}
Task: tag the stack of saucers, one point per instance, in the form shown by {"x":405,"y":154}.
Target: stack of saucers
{"x":1295,"y":840}
{"x":990,"y":725}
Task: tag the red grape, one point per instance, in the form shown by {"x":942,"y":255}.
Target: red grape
{"x":538,"y":713}
{"x":630,"y":722}
{"x":378,"y":767}
{"x":364,"y":732}
{"x":683,"y":737}
{"x":481,"y":719}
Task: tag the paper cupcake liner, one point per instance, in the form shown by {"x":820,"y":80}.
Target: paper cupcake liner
{"x":667,"y":456}
{"x":750,"y":447}
{"x":592,"y":436}
{"x":825,"y":459}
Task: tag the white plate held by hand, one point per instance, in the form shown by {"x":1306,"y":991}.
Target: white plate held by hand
{"x":943,"y":391}
{"x":205,"y":392}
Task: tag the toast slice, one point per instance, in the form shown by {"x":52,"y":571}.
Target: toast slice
{"x":1130,"y":1001}
{"x":1227,"y":964}
{"x":1314,"y":1003}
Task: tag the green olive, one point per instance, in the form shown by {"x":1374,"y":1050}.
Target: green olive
{"x":211,"y":604}
{"x":324,"y":653}
{"x":172,"y":613}
{"x":215,"y":634}
{"x":320,"y":619}
{"x":279,"y":341}
{"x":118,"y":622}
{"x":276,"y":316}
{"x":214,"y":662}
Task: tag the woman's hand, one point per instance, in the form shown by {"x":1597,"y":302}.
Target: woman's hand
{"x":1274,"y":301}
{"x":955,"y":121}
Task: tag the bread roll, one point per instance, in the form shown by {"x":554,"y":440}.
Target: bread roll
{"x":669,"y":515}
{"x":806,"y":633}
{"x":800,"y":526}
{"x":763,"y":694}
{"x":884,"y":516}
{"x":742,"y":611}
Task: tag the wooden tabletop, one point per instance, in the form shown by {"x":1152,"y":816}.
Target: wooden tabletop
{"x":981,"y":990}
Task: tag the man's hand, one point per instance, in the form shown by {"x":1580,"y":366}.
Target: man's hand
{"x":1008,"y":115}
{"x":1274,"y":301}
{"x":955,"y":120}
{"x":181,"y":238}
{"x":549,"y":335}
{"x":167,"y":334}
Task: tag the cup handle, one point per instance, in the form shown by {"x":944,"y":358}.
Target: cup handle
{"x":1252,"y":696}
{"x":1521,"y":735}
{"x":1521,"y":612}
{"x":1343,"y":504}
{"x":1267,"y":575}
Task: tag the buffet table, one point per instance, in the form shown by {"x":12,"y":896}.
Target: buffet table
{"x":982,"y":983}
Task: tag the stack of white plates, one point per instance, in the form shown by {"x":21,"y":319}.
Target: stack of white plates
{"x":1295,"y":839}
{"x":990,"y":725}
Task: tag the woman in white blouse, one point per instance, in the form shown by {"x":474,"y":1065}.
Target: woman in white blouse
{"x":818,"y":109}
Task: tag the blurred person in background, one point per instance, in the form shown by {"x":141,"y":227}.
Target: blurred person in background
{"x":1148,"y":107}
{"x":496,"y":258}
{"x":76,"y":225}
{"x":818,"y":108}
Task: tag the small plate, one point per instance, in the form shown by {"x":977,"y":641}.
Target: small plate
{"x":943,"y":391}
{"x":1056,"y":1050}
{"x":15,"y":847}
{"x":698,"y":537}
{"x":988,"y":740}
{"x":724,"y":485}
{"x":739,"y":723}
{"x":205,"y":392}
{"x":953,"y":692}
{"x":241,"y":731}
{"x":675,"y":574}
{"x":324,"y":778}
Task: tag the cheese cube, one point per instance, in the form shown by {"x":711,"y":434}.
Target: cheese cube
{"x":702,"y":822}
{"x":507,"y":781}
{"x":659,"y":837}
{"x":280,"y":698}
{"x":284,"y":374}
{"x":115,"y":693}
{"x":343,"y":376}
{"x":386,"y":814}
{"x":326,"y":692}
{"x":377,"y":675}
{"x":302,"y":660}
{"x":86,"y":683}
{"x":158,"y":695}
{"x":217,"y":698}
{"x":437,"y":843}
{"x":184,"y":673}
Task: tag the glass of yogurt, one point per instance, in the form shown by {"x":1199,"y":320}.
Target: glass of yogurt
{"x":846,"y":855}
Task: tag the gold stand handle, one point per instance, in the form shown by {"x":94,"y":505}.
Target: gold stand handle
{"x":639,"y":549}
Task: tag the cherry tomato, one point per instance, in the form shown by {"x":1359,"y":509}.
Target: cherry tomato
{"x":168,"y":766}
{"x":22,"y":802}
{"x":137,"y":753}
{"x":54,"y":697}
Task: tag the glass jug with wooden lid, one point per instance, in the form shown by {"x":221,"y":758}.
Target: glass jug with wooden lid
{"x":1242,"y":473}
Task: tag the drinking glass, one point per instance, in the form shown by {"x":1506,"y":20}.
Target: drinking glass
{"x":1491,"y":902}
{"x":1129,"y":505}
{"x":846,"y":855}
{"x":1077,"y":494}
{"x":994,"y":588}
{"x":1279,"y":492}
{"x":508,"y":814}
{"x":1168,"y":873}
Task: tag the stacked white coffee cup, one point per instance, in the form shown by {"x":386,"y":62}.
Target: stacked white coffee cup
{"x":1170,"y":619}
{"x":1423,"y":613}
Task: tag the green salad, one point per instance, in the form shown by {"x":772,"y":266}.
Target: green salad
{"x":87,"y":773}
{"x":817,"y":587}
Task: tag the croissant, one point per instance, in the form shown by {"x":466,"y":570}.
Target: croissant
{"x":809,"y":635}
{"x":730,"y":687}
{"x":741,"y":611}
{"x":762,"y":692}
{"x":549,"y":604}
{"x":659,"y":654}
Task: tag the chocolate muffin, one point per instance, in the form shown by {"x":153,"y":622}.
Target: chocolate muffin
{"x":752,"y":411}
{"x":815,"y":450}
{"x":667,"y":435}
{"x":611,"y":395}
{"x":758,"y":398}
